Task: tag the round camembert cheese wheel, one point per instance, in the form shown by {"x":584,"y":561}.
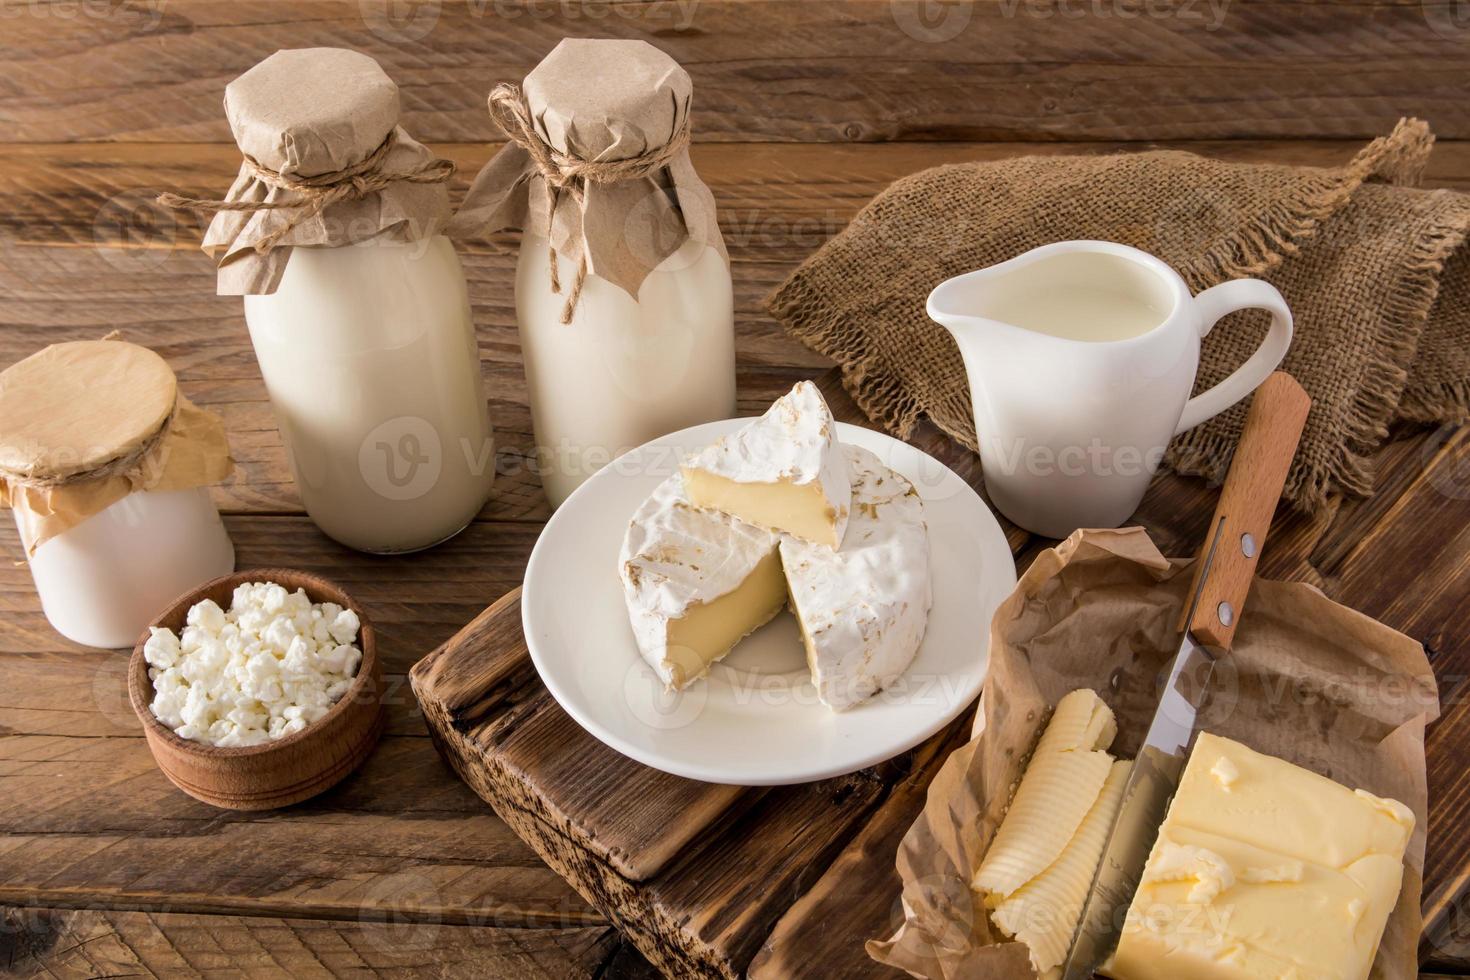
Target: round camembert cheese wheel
{"x":699,"y":579}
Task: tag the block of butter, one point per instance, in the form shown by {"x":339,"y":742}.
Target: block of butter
{"x":1035,"y":874}
{"x":1263,"y":869}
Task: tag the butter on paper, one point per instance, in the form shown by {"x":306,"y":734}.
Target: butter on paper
{"x":1254,"y":868}
{"x":1308,"y":681}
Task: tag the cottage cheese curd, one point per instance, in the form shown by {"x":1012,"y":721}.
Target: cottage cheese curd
{"x":273,"y":664}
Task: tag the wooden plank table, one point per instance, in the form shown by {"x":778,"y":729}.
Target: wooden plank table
{"x":106,"y":870}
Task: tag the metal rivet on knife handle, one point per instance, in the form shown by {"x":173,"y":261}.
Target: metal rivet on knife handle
{"x":1258,"y":471}
{"x":1225,"y":613}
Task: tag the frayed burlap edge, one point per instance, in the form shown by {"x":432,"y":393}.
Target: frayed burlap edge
{"x":803,"y":304}
{"x":1445,"y":403}
{"x":1398,"y":158}
{"x":1379,"y":399}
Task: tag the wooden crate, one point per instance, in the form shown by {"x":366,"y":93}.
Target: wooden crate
{"x":707,"y":880}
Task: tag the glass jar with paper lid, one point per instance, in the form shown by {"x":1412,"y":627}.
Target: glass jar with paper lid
{"x":356,"y":303}
{"x":623,"y":293}
{"x":107,"y":468}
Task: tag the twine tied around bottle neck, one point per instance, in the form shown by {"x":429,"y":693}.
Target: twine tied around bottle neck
{"x":315,"y":194}
{"x":565,"y":172}
{"x":122,"y":465}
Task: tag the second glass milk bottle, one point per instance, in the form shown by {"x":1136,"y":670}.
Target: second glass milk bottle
{"x":355,"y":301}
{"x":623,"y":291}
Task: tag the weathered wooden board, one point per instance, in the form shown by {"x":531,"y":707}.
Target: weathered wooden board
{"x":87,"y":819}
{"x":813,"y":70}
{"x":695,"y":874}
{"x":91,"y":823}
{"x":72,"y":944}
{"x":861,"y":886}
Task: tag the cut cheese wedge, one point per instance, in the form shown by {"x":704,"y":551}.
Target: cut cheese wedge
{"x":1043,"y":913}
{"x":863,"y":609}
{"x":1060,"y":785}
{"x":696,"y":582}
{"x":785,"y":471}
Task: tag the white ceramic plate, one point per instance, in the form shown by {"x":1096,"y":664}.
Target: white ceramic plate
{"x":755,"y":720}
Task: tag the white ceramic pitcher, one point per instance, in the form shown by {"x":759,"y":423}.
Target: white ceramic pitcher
{"x":1081,"y":357}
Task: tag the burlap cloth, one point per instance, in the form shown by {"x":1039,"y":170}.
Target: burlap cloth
{"x":1371,"y":265}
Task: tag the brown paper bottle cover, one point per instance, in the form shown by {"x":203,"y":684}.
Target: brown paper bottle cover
{"x":598,"y":102}
{"x":84,"y":424}
{"x":308,"y":121}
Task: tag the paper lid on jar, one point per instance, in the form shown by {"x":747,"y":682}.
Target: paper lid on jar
{"x":308,"y":111}
{"x":599,"y":99}
{"x":73,"y":407}
{"x":325,"y":164}
{"x":83,"y":424}
{"x":597,"y":163}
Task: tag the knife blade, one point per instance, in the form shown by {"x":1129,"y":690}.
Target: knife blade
{"x":1151,"y":782}
{"x":1222,"y":577}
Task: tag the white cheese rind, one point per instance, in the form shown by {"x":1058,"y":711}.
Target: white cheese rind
{"x":795,"y":442}
{"x":864,"y":607}
{"x":676,"y":556}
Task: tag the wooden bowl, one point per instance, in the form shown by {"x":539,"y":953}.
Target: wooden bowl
{"x":273,"y":774}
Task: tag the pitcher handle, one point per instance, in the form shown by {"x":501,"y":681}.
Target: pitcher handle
{"x":1213,"y":304}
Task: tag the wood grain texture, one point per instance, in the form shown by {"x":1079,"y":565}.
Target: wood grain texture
{"x":85,"y":818}
{"x":1410,"y":569}
{"x":81,"y":944}
{"x":861,"y":887}
{"x":93,"y":823}
{"x":719,"y":864}
{"x":88,"y":819}
{"x":814,"y":70}
{"x":482,"y":686}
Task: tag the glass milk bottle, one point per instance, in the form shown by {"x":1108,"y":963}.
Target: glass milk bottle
{"x":107,"y":470}
{"x":623,"y":294}
{"x":356,"y":304}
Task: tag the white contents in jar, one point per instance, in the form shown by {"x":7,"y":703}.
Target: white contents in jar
{"x":102,"y":581}
{"x":625,"y":370}
{"x":369,"y":355}
{"x":273,"y":664}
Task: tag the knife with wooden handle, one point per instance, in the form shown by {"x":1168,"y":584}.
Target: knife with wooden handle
{"x":1222,"y":579}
